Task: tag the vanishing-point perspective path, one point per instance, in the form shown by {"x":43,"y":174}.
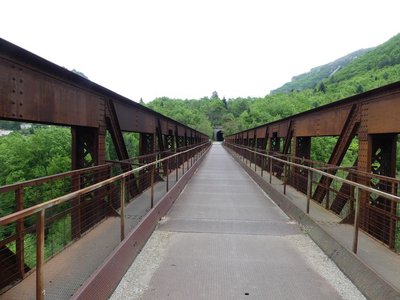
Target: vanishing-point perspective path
{"x":226,"y":239}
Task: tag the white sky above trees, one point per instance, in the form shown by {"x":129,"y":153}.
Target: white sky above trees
{"x":188,"y":49}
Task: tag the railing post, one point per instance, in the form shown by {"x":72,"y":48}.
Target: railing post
{"x":356,"y":219}
{"x":285,"y":174}
{"x":270,"y":170}
{"x":122,"y":212}
{"x":309,"y":187}
{"x":327,"y":196}
{"x":183,"y":163}
{"x":262,"y":164}
{"x":167,"y":174}
{"x":76,"y":208}
{"x":19,"y":243}
{"x":152,"y":186}
{"x":352,"y":195}
{"x":176,"y":167}
{"x":393,"y":205}
{"x":255,"y":160}
{"x":40,"y":223}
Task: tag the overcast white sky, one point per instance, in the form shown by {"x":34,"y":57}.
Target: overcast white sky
{"x":188,"y":49}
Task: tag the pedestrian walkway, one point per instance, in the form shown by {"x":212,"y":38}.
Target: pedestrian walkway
{"x":225,"y":239}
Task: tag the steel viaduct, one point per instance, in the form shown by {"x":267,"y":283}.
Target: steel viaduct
{"x":220,"y":206}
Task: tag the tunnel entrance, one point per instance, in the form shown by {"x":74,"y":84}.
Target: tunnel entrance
{"x":220,"y":136}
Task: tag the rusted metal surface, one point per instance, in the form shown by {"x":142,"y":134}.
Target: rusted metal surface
{"x":35,"y":90}
{"x":288,"y":138}
{"x":328,"y":120}
{"x":348,"y":132}
{"x":113,"y":126}
{"x":31,"y":96}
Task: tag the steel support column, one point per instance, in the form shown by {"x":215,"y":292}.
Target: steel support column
{"x":302,"y":149}
{"x":146,"y":146}
{"x":275,"y":147}
{"x":85,"y":153}
{"x":146,"y":143}
{"x":382,"y":221}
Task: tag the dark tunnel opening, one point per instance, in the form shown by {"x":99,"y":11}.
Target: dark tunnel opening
{"x":220,"y":136}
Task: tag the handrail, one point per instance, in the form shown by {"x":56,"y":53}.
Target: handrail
{"x":36,"y":181}
{"x":357,"y":186}
{"x":351,"y":169}
{"x":349,"y":182}
{"x":38,"y":207}
{"x":128,"y":160}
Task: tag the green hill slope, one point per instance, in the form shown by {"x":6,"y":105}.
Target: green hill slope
{"x":316,"y":75}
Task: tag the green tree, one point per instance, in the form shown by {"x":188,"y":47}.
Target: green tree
{"x":214,"y":95}
{"x":225,"y":103}
{"x":322,"y":88}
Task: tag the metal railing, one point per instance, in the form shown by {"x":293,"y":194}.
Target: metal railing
{"x":360,"y":194}
{"x":18,"y":196}
{"x":111,"y":193}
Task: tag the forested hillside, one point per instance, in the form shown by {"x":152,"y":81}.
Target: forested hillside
{"x":312,"y":78}
{"x":373,"y":69}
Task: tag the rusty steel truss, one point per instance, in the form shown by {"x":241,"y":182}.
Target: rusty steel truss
{"x":373,"y":119}
{"x":35,"y":90}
